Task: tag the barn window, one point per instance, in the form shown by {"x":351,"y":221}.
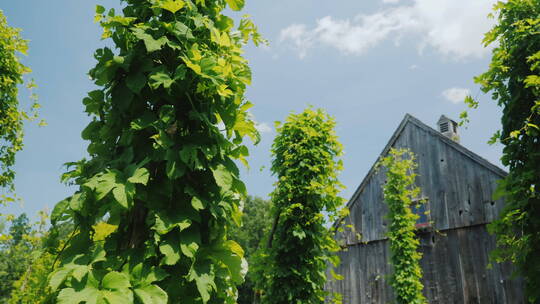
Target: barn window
{"x":421,"y":208}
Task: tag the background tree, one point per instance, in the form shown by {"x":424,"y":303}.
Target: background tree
{"x":14,"y":257}
{"x":305,"y":152}
{"x":31,"y":287}
{"x":514,"y":81}
{"x":256,"y":224}
{"x":11,"y":116}
{"x":399,"y":191}
{"x":19,"y":248}
{"x":160,"y":191}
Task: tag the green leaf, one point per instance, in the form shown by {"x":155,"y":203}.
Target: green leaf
{"x":118,"y":296}
{"x":100,"y":9}
{"x":182,"y":30}
{"x":135,"y":82}
{"x":515,"y":133}
{"x":180,"y":72}
{"x":223,"y":177}
{"x":88,"y":295}
{"x":120,"y":195}
{"x":140,"y":176}
{"x":167,"y":222}
{"x":172,"y":5}
{"x":115,"y":280}
{"x":169,"y":248}
{"x":197,"y":203}
{"x":201,"y":272}
{"x":151,"y":294}
{"x":175,"y":169}
{"x":160,"y":78}
{"x":151,"y":44}
{"x":300,"y":234}
{"x":58,"y":277}
{"x":236,"y":5}
{"x":192,"y":65}
{"x":105,"y":183}
{"x":80,"y":271}
{"x":188,"y":155}
{"x":59,"y":210}
{"x":231,"y":254}
{"x":189,"y":242}
{"x":68,"y":296}
{"x":144,"y":121}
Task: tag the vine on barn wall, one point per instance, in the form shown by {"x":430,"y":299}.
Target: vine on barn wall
{"x":160,"y":189}
{"x":399,"y":192}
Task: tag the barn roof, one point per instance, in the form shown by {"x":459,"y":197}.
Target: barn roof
{"x":409,"y":119}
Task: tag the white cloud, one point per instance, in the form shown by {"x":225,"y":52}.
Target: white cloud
{"x":390,"y":1}
{"x":454,"y":28}
{"x":299,"y":37}
{"x":456,"y":95}
{"x":264,"y":128}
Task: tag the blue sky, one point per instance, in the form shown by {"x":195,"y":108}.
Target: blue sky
{"x":366,"y":62}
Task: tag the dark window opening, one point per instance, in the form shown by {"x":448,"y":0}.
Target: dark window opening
{"x":420,"y":207}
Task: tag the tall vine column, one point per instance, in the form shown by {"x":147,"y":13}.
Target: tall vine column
{"x":305,"y":201}
{"x":160,"y":189}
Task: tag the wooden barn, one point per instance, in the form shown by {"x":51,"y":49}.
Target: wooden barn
{"x":458,"y":186}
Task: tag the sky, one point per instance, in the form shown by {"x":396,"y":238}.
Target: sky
{"x":367,"y":63}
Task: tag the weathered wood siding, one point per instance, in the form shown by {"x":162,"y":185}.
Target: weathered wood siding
{"x":459,"y":186}
{"x":454,"y":266}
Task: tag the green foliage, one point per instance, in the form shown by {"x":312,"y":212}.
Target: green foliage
{"x":305,"y":164}
{"x":32,"y":285}
{"x":20,"y":227}
{"x":11,"y":116}
{"x":160,"y":191}
{"x":513,"y":79}
{"x":399,"y":191}
{"x":14,"y":257}
{"x":19,"y":248}
{"x":256,"y":224}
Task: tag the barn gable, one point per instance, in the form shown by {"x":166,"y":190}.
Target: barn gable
{"x":458,"y":185}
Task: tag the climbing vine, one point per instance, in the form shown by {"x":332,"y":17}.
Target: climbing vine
{"x":513,"y":78}
{"x":11,"y":115}
{"x":160,"y":190}
{"x":301,"y":244}
{"x":399,"y":190}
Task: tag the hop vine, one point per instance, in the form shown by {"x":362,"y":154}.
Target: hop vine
{"x":160,"y":189}
{"x":305,"y":201}
{"x":399,"y":191}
